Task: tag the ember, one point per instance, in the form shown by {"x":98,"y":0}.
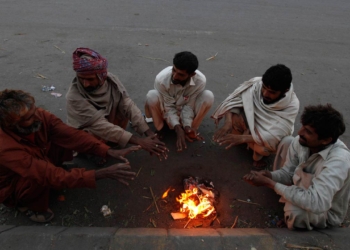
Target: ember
{"x":198,"y":199}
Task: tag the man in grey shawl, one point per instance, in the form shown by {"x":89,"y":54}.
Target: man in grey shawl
{"x":260,"y":112}
{"x":98,"y":103}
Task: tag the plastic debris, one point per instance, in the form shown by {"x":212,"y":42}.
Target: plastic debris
{"x":149,"y":120}
{"x":106,"y":211}
{"x":48,"y":88}
{"x":56,"y":94}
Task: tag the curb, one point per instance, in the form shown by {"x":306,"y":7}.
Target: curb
{"x":39,"y":237}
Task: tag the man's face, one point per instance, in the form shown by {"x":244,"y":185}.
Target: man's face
{"x":28,"y":122}
{"x":180,"y":76}
{"x":89,"y":82}
{"x":269,"y":95}
{"x":309,"y":138}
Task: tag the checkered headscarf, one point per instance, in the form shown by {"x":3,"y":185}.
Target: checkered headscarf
{"x":88,"y":61}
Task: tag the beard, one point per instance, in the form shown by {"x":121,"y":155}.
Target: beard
{"x":30,"y":129}
{"x":270,"y":101}
{"x":302,"y":141}
{"x":178,"y":82}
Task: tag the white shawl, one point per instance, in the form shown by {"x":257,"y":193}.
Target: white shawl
{"x":268,"y":123}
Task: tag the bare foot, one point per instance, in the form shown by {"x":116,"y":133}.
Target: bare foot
{"x":281,"y":223}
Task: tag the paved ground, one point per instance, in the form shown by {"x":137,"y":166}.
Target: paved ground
{"x":59,"y":238}
{"x":139,"y":38}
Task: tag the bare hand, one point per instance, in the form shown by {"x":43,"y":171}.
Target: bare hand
{"x":260,"y":178}
{"x":224,"y":130}
{"x":153,"y":145}
{"x":121,"y":153}
{"x":191,"y":134}
{"x":181,"y":138}
{"x":118,"y":172}
{"x":231,"y":140}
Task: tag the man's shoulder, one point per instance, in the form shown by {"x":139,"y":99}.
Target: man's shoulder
{"x":199,"y":77}
{"x":164,"y":75}
{"x":339,"y":149}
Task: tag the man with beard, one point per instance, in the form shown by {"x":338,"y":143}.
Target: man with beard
{"x":260,"y":112}
{"x":179,"y":98}
{"x":34,"y":144}
{"x":314,"y":182}
{"x":98,"y":103}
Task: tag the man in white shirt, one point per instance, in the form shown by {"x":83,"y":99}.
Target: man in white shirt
{"x":314,"y":182}
{"x":180,"y":99}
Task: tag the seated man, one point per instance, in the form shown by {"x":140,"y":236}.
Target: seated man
{"x":179,"y":98}
{"x":260,"y":112}
{"x":34,"y":143}
{"x":314,"y":182}
{"x":98,"y":103}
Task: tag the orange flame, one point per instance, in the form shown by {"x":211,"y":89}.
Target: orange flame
{"x":166,"y":193}
{"x":195,"y":204}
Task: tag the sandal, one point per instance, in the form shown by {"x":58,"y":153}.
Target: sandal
{"x":41,"y":217}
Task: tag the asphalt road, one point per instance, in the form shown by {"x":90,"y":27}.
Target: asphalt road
{"x":140,"y":38}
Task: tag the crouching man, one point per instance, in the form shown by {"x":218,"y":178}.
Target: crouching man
{"x":33,"y":144}
{"x":180,"y":99}
{"x":314,"y":182}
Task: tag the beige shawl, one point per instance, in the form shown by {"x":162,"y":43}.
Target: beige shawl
{"x":86,"y":108}
{"x":268,"y":123}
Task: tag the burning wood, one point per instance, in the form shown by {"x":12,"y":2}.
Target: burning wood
{"x":198,"y":199}
{"x":178,"y":216}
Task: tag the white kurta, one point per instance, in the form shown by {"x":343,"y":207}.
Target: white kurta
{"x":178,"y":99}
{"x":317,"y":184}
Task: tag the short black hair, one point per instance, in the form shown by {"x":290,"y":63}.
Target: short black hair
{"x":278,"y":78}
{"x":186,"y":61}
{"x":326,"y":121}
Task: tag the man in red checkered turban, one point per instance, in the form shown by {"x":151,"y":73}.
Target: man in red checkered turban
{"x":98,"y":103}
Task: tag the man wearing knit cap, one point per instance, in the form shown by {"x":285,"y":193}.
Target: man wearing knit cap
{"x":98,"y":103}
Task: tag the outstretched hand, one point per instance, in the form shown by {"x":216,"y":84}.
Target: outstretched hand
{"x":120,"y":172}
{"x":121,"y":153}
{"x":261,"y":178}
{"x":224,"y":130}
{"x":231,"y":140}
{"x":192,"y":134}
{"x":153,"y":145}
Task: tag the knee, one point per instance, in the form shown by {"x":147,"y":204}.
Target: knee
{"x":207,"y":98}
{"x":152,"y":97}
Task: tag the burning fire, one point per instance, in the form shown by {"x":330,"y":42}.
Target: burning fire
{"x":195,"y":203}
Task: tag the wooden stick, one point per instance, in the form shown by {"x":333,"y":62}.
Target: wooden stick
{"x":234,"y":223}
{"x":149,"y":207}
{"x":249,"y":202}
{"x":153,"y":58}
{"x":212,"y":221}
{"x":138,"y":171}
{"x":154,"y":199}
{"x":59,"y":49}
{"x":187,"y":223}
{"x":212,"y":57}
